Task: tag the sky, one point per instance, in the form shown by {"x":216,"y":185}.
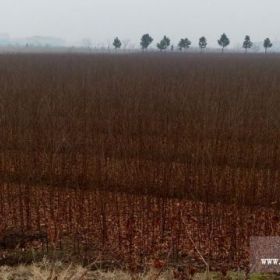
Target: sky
{"x":102,"y":20}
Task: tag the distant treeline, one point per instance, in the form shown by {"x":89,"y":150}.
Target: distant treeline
{"x":185,"y":43}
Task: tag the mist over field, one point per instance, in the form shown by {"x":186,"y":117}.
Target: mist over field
{"x":101,"y":21}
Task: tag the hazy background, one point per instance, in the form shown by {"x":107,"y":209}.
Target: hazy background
{"x":102,"y":20}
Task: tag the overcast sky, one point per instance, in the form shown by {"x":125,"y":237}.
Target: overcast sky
{"x":102,"y":20}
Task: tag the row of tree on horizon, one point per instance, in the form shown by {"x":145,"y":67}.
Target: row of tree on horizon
{"x":185,"y":43}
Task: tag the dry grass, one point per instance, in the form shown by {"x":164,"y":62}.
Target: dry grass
{"x":58,"y":271}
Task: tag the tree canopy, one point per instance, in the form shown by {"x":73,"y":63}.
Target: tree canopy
{"x":117,"y":43}
{"x":202,"y":43}
{"x":164,"y":43}
{"x":184,"y":44}
{"x":146,"y":40}
{"x":247,"y":44}
{"x":267,"y":44}
{"x":223,"y":41}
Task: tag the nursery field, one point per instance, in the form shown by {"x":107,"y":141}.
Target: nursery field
{"x":140,"y":159}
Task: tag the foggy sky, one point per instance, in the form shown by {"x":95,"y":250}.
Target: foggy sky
{"x":102,"y":20}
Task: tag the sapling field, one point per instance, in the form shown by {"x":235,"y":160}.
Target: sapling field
{"x":140,"y":159}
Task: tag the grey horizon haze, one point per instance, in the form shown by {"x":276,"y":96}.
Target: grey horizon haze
{"x":101,"y":21}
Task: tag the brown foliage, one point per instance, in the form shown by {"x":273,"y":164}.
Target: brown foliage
{"x":203,"y":129}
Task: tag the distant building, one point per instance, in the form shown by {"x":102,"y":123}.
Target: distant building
{"x":40,"y":41}
{"x":35,"y":41}
{"x":4,"y":39}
